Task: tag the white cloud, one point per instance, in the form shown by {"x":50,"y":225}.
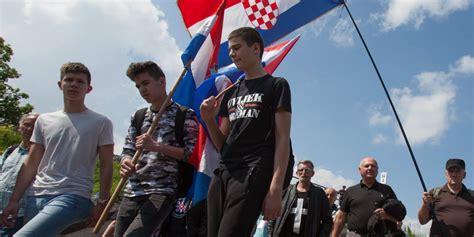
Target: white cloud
{"x":427,"y":112}
{"x":378,"y":118}
{"x":105,"y":35}
{"x":379,"y":139}
{"x":329,"y":179}
{"x":342,"y":33}
{"x":415,"y":227}
{"x":426,"y":116}
{"x":409,"y":12}
{"x":464,"y":65}
{"x":316,"y":27}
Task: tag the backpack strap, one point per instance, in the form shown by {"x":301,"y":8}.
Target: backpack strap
{"x":435,"y":192}
{"x":137,"y":121}
{"x":179,"y":124}
{"x":180,"y":117}
{"x":10,"y":150}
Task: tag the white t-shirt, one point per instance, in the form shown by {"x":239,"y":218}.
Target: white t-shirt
{"x":71,"y":142}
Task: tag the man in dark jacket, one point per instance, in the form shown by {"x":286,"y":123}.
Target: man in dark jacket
{"x":306,"y":209}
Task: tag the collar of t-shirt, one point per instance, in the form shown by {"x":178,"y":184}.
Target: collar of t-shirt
{"x":445,"y":188}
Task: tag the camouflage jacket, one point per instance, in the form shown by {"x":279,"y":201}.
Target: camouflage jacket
{"x":156,"y":172}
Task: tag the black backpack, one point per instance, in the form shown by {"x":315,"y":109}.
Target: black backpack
{"x":186,"y":170}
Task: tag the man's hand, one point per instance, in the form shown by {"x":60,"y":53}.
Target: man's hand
{"x":382,"y":215}
{"x":127,"y":168}
{"x":272,"y":204}
{"x":145,"y":142}
{"x":427,"y":198}
{"x":209,"y":108}
{"x":10,"y":211}
{"x":96,"y":212}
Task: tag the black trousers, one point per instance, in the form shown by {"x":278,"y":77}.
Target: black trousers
{"x":140,"y":216}
{"x":235,"y":200}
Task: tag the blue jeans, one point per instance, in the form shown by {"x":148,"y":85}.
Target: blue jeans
{"x":48,"y":215}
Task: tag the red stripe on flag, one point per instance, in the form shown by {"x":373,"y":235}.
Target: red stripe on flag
{"x":216,"y":34}
{"x":271,"y":66}
{"x":195,"y":158}
{"x":188,"y":9}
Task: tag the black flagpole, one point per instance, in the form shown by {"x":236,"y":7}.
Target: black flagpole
{"x":389,"y":99}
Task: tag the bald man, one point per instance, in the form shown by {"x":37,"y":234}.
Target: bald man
{"x":331,"y":193}
{"x":363,"y":201}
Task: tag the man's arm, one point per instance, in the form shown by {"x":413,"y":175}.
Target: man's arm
{"x":106,"y":154}
{"x":339,"y":223}
{"x":272,"y":202}
{"x":424,"y":212}
{"x":25,"y":177}
{"x":209,"y":108}
{"x":190,"y":134}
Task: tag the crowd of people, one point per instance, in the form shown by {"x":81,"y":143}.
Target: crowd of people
{"x":46,"y":181}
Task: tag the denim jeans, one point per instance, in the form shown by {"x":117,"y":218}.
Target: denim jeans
{"x":48,"y":215}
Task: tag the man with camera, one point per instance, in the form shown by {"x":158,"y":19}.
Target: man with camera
{"x":363,"y":204}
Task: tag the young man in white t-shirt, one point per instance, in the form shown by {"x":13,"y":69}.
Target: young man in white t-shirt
{"x":61,"y":162}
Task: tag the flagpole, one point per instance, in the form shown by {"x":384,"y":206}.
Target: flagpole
{"x":138,"y":152}
{"x":389,"y":99}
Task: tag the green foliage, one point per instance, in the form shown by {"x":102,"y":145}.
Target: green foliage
{"x":409,"y":232}
{"x":115,"y":177}
{"x":9,"y":135}
{"x":10,"y":108}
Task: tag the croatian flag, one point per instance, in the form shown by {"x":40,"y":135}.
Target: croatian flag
{"x":272,"y":18}
{"x":205,"y":156}
{"x":202,"y":54}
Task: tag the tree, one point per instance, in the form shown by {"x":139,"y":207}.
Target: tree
{"x":10,"y":108}
{"x":8,"y":136}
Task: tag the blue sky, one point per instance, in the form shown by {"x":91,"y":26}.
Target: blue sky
{"x":424,"y":51}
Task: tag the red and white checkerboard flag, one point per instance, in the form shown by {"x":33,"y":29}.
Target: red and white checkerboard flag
{"x":262,"y":14}
{"x":273,"y":18}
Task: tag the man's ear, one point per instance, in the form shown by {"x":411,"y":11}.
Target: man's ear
{"x":59,"y":85}
{"x":89,"y":88}
{"x":256,"y":48}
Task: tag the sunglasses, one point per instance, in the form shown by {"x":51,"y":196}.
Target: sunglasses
{"x":305,"y":170}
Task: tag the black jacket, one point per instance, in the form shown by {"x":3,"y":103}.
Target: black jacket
{"x":318,"y":220}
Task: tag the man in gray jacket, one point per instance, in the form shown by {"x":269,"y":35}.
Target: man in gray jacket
{"x":306,"y":209}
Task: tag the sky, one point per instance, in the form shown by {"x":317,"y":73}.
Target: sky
{"x":424,"y":51}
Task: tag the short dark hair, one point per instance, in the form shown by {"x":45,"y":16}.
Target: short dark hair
{"x":249,"y":35}
{"x":140,"y":67}
{"x":74,"y":67}
{"x":308,"y":162}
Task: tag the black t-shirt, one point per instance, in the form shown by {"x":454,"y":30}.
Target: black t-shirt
{"x":360,"y":201}
{"x":250,"y":107}
{"x":288,"y":227}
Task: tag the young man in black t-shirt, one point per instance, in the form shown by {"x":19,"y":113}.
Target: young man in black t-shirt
{"x":253,"y":139}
